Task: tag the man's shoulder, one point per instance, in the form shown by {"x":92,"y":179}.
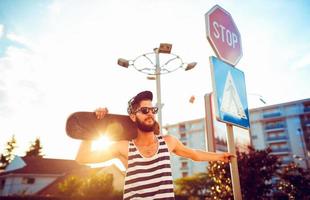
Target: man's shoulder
{"x":122,"y":143}
{"x":122,"y":147}
{"x":169,"y":138}
{"x":170,"y":141}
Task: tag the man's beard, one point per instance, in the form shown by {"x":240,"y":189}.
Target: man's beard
{"x":145,"y":127}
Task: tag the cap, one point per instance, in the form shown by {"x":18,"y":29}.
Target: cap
{"x":145,"y":95}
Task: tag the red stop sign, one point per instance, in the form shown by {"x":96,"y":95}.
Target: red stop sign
{"x":223,"y":35}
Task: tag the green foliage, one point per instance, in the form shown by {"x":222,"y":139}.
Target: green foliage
{"x":8,"y":154}
{"x":194,"y":186}
{"x":71,"y":187}
{"x":90,"y":187}
{"x":256,"y":170}
{"x":35,"y":149}
{"x":98,"y":185}
{"x":294,"y":182}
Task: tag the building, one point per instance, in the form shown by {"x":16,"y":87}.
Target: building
{"x":191,"y":134}
{"x":41,"y":176}
{"x":285,"y":128}
{"x":28,"y":175}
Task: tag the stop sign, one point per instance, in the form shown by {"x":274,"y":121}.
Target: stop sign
{"x":223,"y":35}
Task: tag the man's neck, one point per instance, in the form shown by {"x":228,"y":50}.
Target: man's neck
{"x":145,"y":138}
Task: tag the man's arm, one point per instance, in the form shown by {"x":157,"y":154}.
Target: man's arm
{"x":179,"y":149}
{"x":86,"y":155}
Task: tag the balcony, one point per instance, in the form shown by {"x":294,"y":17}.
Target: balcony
{"x":285,"y":162}
{"x":281,"y":150}
{"x":271,"y":115}
{"x":273,"y":139}
{"x":306,"y":122}
{"x":274,"y":127}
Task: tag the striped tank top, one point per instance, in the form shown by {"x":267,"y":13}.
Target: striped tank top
{"x":149,"y":178}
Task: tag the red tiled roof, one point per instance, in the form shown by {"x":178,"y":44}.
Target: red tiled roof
{"x":38,"y":165}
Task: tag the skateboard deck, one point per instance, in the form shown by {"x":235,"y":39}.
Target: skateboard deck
{"x":85,"y":126}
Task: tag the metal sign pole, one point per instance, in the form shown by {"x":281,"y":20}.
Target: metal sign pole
{"x":233,"y":164}
{"x":209,"y":129}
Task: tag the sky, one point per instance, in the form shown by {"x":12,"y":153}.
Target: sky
{"x":58,"y":57}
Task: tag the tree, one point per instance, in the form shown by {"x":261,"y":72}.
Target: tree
{"x":193,"y":186}
{"x":71,"y":187}
{"x":257,"y":168}
{"x":220,"y":187}
{"x":35,"y":149}
{"x":8,"y":154}
{"x":294,"y":182}
{"x":91,"y":187}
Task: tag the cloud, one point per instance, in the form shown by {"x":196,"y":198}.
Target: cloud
{"x":19,"y":40}
{"x":10,"y":40}
{"x":301,"y":63}
{"x":19,"y":81}
{"x":1,"y":30}
{"x":4,"y":108}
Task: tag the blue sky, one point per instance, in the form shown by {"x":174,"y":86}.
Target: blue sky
{"x":57,"y":57}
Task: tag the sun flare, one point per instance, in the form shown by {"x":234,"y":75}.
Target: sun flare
{"x":102,"y":143}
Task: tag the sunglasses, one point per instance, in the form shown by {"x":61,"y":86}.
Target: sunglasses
{"x":146,"y":110}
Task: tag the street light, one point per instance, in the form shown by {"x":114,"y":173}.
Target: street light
{"x":304,"y":147}
{"x":145,"y":64}
{"x":260,"y":97}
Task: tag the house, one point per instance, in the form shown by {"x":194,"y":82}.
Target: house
{"x":29,"y":175}
{"x":41,"y":176}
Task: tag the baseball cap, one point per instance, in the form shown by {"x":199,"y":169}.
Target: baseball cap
{"x":145,"y":95}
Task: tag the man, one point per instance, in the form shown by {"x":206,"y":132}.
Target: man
{"x":147,"y":157}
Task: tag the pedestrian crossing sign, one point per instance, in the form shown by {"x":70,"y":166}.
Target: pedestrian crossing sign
{"x":230,"y":96}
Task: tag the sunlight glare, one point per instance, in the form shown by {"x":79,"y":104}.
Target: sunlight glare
{"x":102,"y":143}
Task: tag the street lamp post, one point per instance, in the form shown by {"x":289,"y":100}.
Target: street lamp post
{"x":171,"y":63}
{"x":158,"y":89}
{"x":303,"y":146}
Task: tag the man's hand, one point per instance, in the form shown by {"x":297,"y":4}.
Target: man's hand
{"x":226,"y":157}
{"x":101,"y":112}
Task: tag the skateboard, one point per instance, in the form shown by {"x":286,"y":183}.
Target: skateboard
{"x":85,"y":126}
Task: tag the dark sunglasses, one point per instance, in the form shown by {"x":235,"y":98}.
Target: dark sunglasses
{"x":146,"y":110}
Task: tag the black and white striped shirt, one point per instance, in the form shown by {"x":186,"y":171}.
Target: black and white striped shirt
{"x":149,"y":178}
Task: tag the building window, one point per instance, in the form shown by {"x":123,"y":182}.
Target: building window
{"x":278,"y":135}
{"x":280,"y":147}
{"x":184,"y":165}
{"x":184,"y":174}
{"x":183,"y":135}
{"x":274,"y":125}
{"x":2,"y":183}
{"x":271,"y":113}
{"x":254,"y":137}
{"x":27,"y":180}
{"x":182,"y":128}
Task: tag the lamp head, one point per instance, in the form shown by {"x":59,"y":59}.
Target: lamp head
{"x":190,"y":66}
{"x":151,"y":78}
{"x":165,"y":48}
{"x":123,"y":62}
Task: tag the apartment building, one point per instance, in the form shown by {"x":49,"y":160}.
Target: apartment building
{"x":285,"y":128}
{"x":192,"y":134}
